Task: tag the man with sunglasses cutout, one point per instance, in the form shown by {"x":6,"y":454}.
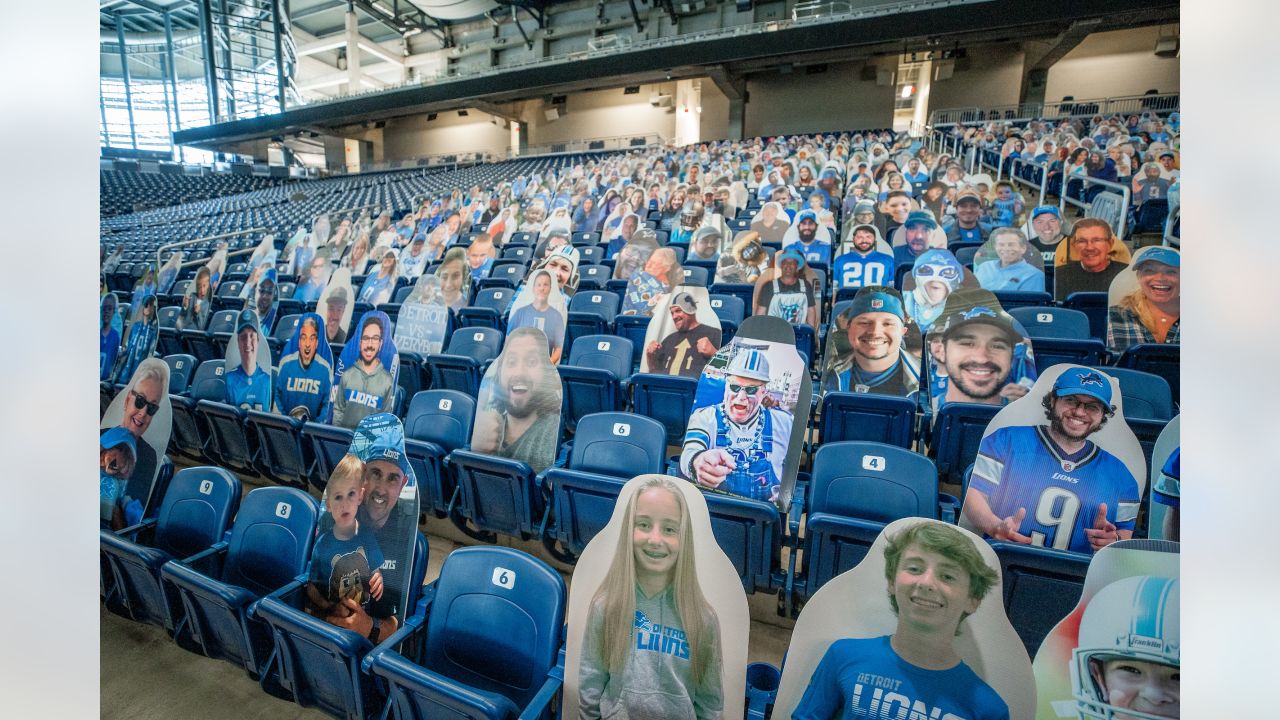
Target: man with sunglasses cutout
{"x":739,"y":446}
{"x":141,"y":403}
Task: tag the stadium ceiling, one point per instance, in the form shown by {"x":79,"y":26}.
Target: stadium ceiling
{"x":982,"y":22}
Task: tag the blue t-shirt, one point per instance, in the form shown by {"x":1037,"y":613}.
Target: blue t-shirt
{"x":307,"y":387}
{"x":252,"y":392}
{"x":1021,"y":467}
{"x":108,"y":348}
{"x":855,"y":270}
{"x":1167,"y":489}
{"x":816,"y":252}
{"x":865,"y":678}
{"x":337,"y":566}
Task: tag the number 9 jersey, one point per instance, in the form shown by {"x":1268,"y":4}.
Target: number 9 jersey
{"x":1021,"y":467}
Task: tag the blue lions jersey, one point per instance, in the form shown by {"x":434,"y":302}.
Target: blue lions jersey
{"x":865,"y":678}
{"x":306,"y":387}
{"x":1021,"y":467}
{"x":249,"y":392}
{"x":855,"y":270}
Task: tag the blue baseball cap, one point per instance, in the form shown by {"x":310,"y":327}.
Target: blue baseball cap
{"x":876,"y":301}
{"x":806,"y":215}
{"x":117,"y":436}
{"x":981,"y":314}
{"x":1158,"y":253}
{"x":381,"y":437}
{"x":246,"y":319}
{"x":1046,"y":210}
{"x":1083,"y":381}
{"x":921,"y":217}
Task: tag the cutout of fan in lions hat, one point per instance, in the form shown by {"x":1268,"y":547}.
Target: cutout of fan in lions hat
{"x":1145,"y":300}
{"x":248,"y":365}
{"x":1059,"y":467}
{"x":866,"y":348}
{"x":978,"y":353}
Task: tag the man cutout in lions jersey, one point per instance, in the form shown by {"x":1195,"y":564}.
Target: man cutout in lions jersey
{"x":863,"y":265}
{"x":248,"y":385}
{"x":305,"y":379}
{"x":1049,"y":485}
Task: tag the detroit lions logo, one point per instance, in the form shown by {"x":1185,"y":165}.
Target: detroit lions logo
{"x":642,"y":622}
{"x":1091,"y":379}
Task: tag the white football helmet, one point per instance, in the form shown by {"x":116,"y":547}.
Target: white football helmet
{"x":1134,"y":618}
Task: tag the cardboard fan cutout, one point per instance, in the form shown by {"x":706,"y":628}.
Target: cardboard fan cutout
{"x":789,"y":290}
{"x":304,"y":383}
{"x":869,"y":347}
{"x":109,"y":334}
{"x":336,"y":305}
{"x":1008,"y":262}
{"x":540,"y":304}
{"x":749,"y":415}
{"x":1117,"y":654}
{"x":634,"y":255}
{"x":423,"y":318}
{"x":455,"y":279}
{"x":772,"y":222}
{"x":919,"y":235}
{"x":977,"y":352}
{"x":934,"y":276}
{"x":135,"y":433}
{"x":518,"y":406}
{"x":197,"y":302}
{"x":364,"y":378}
{"x":140,"y":337}
{"x":707,"y":244}
{"x":1089,"y":260}
{"x":657,"y":619}
{"x":1164,"y":507}
{"x":247,"y":365}
{"x":1058,"y":468}
{"x":1145,"y":300}
{"x":858,"y":644}
{"x":649,"y":285}
{"x":865,"y":259}
{"x":381,"y":281}
{"x":744,"y":261}
{"x":315,"y":275}
{"x":683,"y":334}
{"x":362,"y":560}
{"x":264,"y":298}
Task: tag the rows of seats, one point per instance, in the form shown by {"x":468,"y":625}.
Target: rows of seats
{"x":123,"y":191}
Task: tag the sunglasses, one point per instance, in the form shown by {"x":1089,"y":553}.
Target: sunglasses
{"x":946,"y":272}
{"x":750,"y":390}
{"x":140,"y":401}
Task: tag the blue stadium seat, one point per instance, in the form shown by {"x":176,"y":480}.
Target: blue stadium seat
{"x":461,"y":366}
{"x":203,"y":344}
{"x":590,"y":255}
{"x":228,"y":444}
{"x":188,"y":434}
{"x":633,"y":328}
{"x":198,"y":505}
{"x":665,"y":398}
{"x":1055,"y":351}
{"x":1158,"y":359}
{"x":728,"y":308}
{"x":317,"y":664}
{"x":488,"y":309}
{"x":283,"y":455}
{"x":181,"y":369}
{"x":269,"y":546}
{"x":608,"y":449}
{"x":591,"y":312}
{"x":285,"y":326}
{"x":169,"y":342}
{"x":855,"y":490}
{"x":867,"y":417}
{"x":328,"y":445}
{"x":227,"y":296}
{"x":593,"y":277}
{"x":742,"y":291}
{"x":1093,"y":305}
{"x":593,"y":376}
{"x":1146,"y":395}
{"x":519,"y":253}
{"x":437,"y":423}
{"x":695,"y":275}
{"x":1010,"y":299}
{"x":496,"y":495}
{"x":750,"y":533}
{"x":806,"y":343}
{"x":489,"y":602}
{"x":585,"y":238}
{"x":1041,"y":587}
{"x":957,"y":432}
{"x":507,"y":274}
{"x":1149,"y":217}
{"x":1042,"y":321}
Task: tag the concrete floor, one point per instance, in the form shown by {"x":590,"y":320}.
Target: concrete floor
{"x":146,"y":676}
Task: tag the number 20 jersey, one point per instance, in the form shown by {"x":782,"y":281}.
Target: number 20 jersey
{"x":1021,"y":467}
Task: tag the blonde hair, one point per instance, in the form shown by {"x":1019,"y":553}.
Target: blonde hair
{"x":617,"y":594}
{"x":349,"y":467}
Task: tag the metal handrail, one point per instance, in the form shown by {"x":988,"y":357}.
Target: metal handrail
{"x":1044,"y":174}
{"x":1125,"y":193}
{"x":1161,"y":102}
{"x":202,"y":261}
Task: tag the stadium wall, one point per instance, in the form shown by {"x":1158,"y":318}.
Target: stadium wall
{"x":1112,"y":64}
{"x":798,"y":102}
{"x":989,"y":75}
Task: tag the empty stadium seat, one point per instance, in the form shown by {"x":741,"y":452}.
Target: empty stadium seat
{"x":1094,"y":306}
{"x":1146,"y":395}
{"x":197,"y":508}
{"x":633,"y":328}
{"x":187,"y":437}
{"x":957,"y":432}
{"x":1042,"y":321}
{"x":181,"y":369}
{"x":283,"y":332}
{"x":488,"y":309}
{"x":855,"y":489}
{"x":436,"y":423}
{"x":1052,"y":351}
{"x":665,"y":398}
{"x":867,"y":417}
{"x":461,"y":366}
{"x":591,"y":312}
{"x":489,"y":602}
{"x":1010,"y":299}
{"x":1041,"y":587}
{"x":269,"y":546}
{"x":228,"y":444}
{"x":328,"y":445}
{"x":169,"y":342}
{"x":1157,"y":359}
{"x":593,"y":376}
{"x":283,"y":455}
{"x":210,"y":343}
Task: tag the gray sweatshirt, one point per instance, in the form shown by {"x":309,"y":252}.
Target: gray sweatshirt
{"x":656,"y":681}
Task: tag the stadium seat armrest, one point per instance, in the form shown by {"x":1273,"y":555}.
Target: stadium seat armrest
{"x":205,"y":558}
{"x":799,"y":499}
{"x":546,"y":694}
{"x":948,"y":508}
{"x":282,"y":594}
{"x":131,"y":532}
{"x":412,"y":624}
